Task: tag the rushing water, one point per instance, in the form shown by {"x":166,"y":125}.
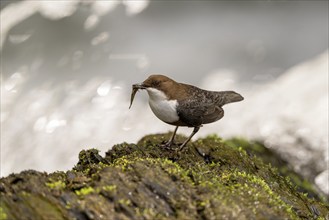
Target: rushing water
{"x":67,"y":70}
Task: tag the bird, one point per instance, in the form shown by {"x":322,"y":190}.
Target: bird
{"x":183,"y":105}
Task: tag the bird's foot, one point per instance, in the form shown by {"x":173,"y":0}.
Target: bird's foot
{"x":168,"y":145}
{"x":181,"y":147}
{"x":171,"y":145}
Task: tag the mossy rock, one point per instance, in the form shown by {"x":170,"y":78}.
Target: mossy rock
{"x":210,"y":179}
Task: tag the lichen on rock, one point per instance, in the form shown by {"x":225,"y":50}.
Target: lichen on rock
{"x":211,"y":179}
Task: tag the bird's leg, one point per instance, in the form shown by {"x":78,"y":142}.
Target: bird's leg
{"x":171,"y":140}
{"x":173,"y":136}
{"x":195,"y":130}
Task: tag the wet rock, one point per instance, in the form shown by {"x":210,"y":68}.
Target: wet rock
{"x":211,"y":179}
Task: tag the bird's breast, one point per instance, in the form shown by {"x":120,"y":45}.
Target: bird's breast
{"x":164,"y":109}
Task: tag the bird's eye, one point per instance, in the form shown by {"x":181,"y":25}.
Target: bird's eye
{"x":156,"y":83}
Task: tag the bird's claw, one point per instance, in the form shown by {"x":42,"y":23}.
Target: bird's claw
{"x":171,"y":145}
{"x":167,"y":145}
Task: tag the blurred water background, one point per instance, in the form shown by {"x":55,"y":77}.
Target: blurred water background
{"x":67,"y":68}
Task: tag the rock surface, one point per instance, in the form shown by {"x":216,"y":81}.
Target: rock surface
{"x":211,"y":179}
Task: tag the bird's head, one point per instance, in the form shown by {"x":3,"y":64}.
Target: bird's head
{"x":157,"y":86}
{"x":159,"y":82}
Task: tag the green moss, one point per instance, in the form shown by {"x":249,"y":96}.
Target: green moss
{"x":122,"y":162}
{"x":244,"y":189}
{"x":68,"y":205}
{"x":3,"y":214}
{"x":258,"y":150}
{"x":42,"y":206}
{"x":210,"y":179}
{"x":148,"y":213}
{"x":255,"y":184}
{"x":214,"y":137}
{"x":204,"y":204}
{"x":84,"y":191}
{"x":124,"y":202}
{"x":109,"y":188}
{"x":56,"y":185}
{"x":171,"y":167}
{"x":228,"y":182}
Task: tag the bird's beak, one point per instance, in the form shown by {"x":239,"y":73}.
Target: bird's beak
{"x":136,"y":87}
{"x":139,"y":86}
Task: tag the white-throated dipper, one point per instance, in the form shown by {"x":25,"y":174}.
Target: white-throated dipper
{"x":181,"y":104}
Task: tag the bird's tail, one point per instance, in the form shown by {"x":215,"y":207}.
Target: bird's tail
{"x":230,"y":96}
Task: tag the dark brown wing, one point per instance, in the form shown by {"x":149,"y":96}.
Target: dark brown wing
{"x":201,"y":107}
{"x":195,"y":113}
{"x":217,"y":114}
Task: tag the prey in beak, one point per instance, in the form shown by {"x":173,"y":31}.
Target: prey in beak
{"x":135,"y":88}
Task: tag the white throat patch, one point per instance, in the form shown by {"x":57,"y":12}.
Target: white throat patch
{"x":163,"y":108}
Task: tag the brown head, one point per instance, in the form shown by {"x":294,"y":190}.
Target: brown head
{"x":159,"y":82}
{"x":162,"y":83}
